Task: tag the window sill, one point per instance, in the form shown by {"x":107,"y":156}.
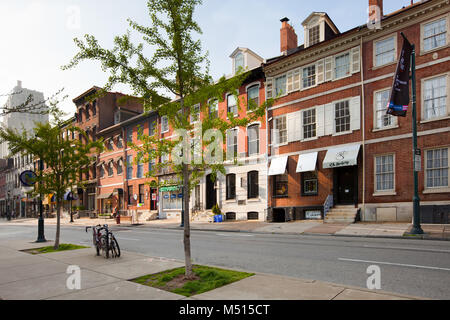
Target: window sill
{"x":341,"y":133}
{"x":284,"y":196}
{"x":422,"y":53}
{"x":381,"y":194}
{"x":435,"y":119}
{"x":385,"y":128}
{"x":254,"y":200}
{"x":436,"y":190}
{"x":310,"y":194}
{"x":309,"y":139}
{"x":384,"y":65}
{"x":280,"y":145}
{"x":230,"y":201}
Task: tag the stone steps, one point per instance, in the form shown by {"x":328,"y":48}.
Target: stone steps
{"x":341,"y":214}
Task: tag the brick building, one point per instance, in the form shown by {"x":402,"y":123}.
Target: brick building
{"x":333,"y":149}
{"x":94,"y":115}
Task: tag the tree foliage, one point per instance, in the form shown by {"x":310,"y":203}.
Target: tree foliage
{"x":171,"y":82}
{"x":63,"y":158}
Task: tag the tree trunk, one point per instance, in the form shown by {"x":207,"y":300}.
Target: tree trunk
{"x":58,"y":224}
{"x":187,"y":231}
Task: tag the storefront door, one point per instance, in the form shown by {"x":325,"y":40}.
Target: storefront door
{"x":346,"y":185}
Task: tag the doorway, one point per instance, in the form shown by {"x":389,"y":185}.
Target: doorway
{"x":346,"y":185}
{"x":211,"y":194}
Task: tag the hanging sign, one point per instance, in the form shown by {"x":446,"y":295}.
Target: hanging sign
{"x":28,"y":178}
{"x":398,"y":104}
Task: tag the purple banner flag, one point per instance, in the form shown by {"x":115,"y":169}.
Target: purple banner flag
{"x":398,"y":104}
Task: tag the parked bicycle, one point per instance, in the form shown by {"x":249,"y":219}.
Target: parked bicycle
{"x":104,"y":241}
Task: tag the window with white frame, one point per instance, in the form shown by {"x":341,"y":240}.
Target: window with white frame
{"x":314,"y":35}
{"x":383,"y":120}
{"x":309,"y":76}
{"x":435,"y":97}
{"x":435,"y":34}
{"x":238,"y":62}
{"x":195,"y":113}
{"x":385,"y":51}
{"x":214,"y":108}
{"x":232,"y":105}
{"x":253,"y":97}
{"x":436,"y":168}
{"x":280,"y":85}
{"x":110,"y":169}
{"x":140,"y":167}
{"x":342,"y":66}
{"x":309,"y":123}
{"x":232,"y":147}
{"x":384,"y":173}
{"x":280,"y":132}
{"x":253,"y":139}
{"x":129,"y":167}
{"x":342,"y":116}
{"x":164,"y":124}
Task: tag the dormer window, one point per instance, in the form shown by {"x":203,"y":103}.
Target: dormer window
{"x":314,"y":35}
{"x":238,"y":62}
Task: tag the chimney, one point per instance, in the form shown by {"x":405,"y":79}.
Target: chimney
{"x":288,"y":37}
{"x":19,"y":84}
{"x":373,"y":11}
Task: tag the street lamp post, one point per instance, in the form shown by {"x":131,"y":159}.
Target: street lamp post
{"x":182,"y":208}
{"x":41,"y":236}
{"x":8,"y":207}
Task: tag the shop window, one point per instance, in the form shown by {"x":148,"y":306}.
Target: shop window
{"x":309,"y":183}
{"x":280,"y":185}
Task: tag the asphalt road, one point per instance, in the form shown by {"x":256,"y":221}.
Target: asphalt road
{"x":413,"y":267}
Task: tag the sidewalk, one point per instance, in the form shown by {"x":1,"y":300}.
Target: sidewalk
{"x":305,"y":227}
{"x":42,"y":277}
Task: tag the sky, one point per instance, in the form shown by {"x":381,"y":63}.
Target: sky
{"x":36,"y":36}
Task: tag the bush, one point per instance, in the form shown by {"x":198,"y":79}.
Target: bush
{"x":216,"y":210}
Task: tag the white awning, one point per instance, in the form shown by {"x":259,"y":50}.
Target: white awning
{"x":278,"y":166}
{"x":307,"y":162}
{"x":341,"y":157}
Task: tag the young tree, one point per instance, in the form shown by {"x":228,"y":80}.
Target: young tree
{"x":179,"y":68}
{"x":63,"y":158}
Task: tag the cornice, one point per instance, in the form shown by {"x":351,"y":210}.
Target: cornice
{"x":348,"y":41}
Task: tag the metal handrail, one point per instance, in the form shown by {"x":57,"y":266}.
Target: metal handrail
{"x":328,"y":204}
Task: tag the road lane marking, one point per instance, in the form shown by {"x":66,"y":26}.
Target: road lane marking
{"x":395,"y":264}
{"x":408,"y":248}
{"x":234,"y":235}
{"x":129,"y":239}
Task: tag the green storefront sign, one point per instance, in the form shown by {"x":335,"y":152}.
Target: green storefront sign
{"x":169,"y":188}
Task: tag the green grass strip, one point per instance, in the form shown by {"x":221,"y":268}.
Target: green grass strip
{"x":210,"y":278}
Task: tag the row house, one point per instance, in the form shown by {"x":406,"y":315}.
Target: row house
{"x":123,"y":181}
{"x":333,"y":150}
{"x":241,"y":193}
{"x":94,"y":113}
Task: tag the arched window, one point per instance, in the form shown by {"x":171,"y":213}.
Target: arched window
{"x":231,"y":186}
{"x":238,"y":62}
{"x":252,"y":185}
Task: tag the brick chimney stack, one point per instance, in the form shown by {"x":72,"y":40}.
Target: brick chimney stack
{"x":379,"y":4}
{"x":288,"y":37}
